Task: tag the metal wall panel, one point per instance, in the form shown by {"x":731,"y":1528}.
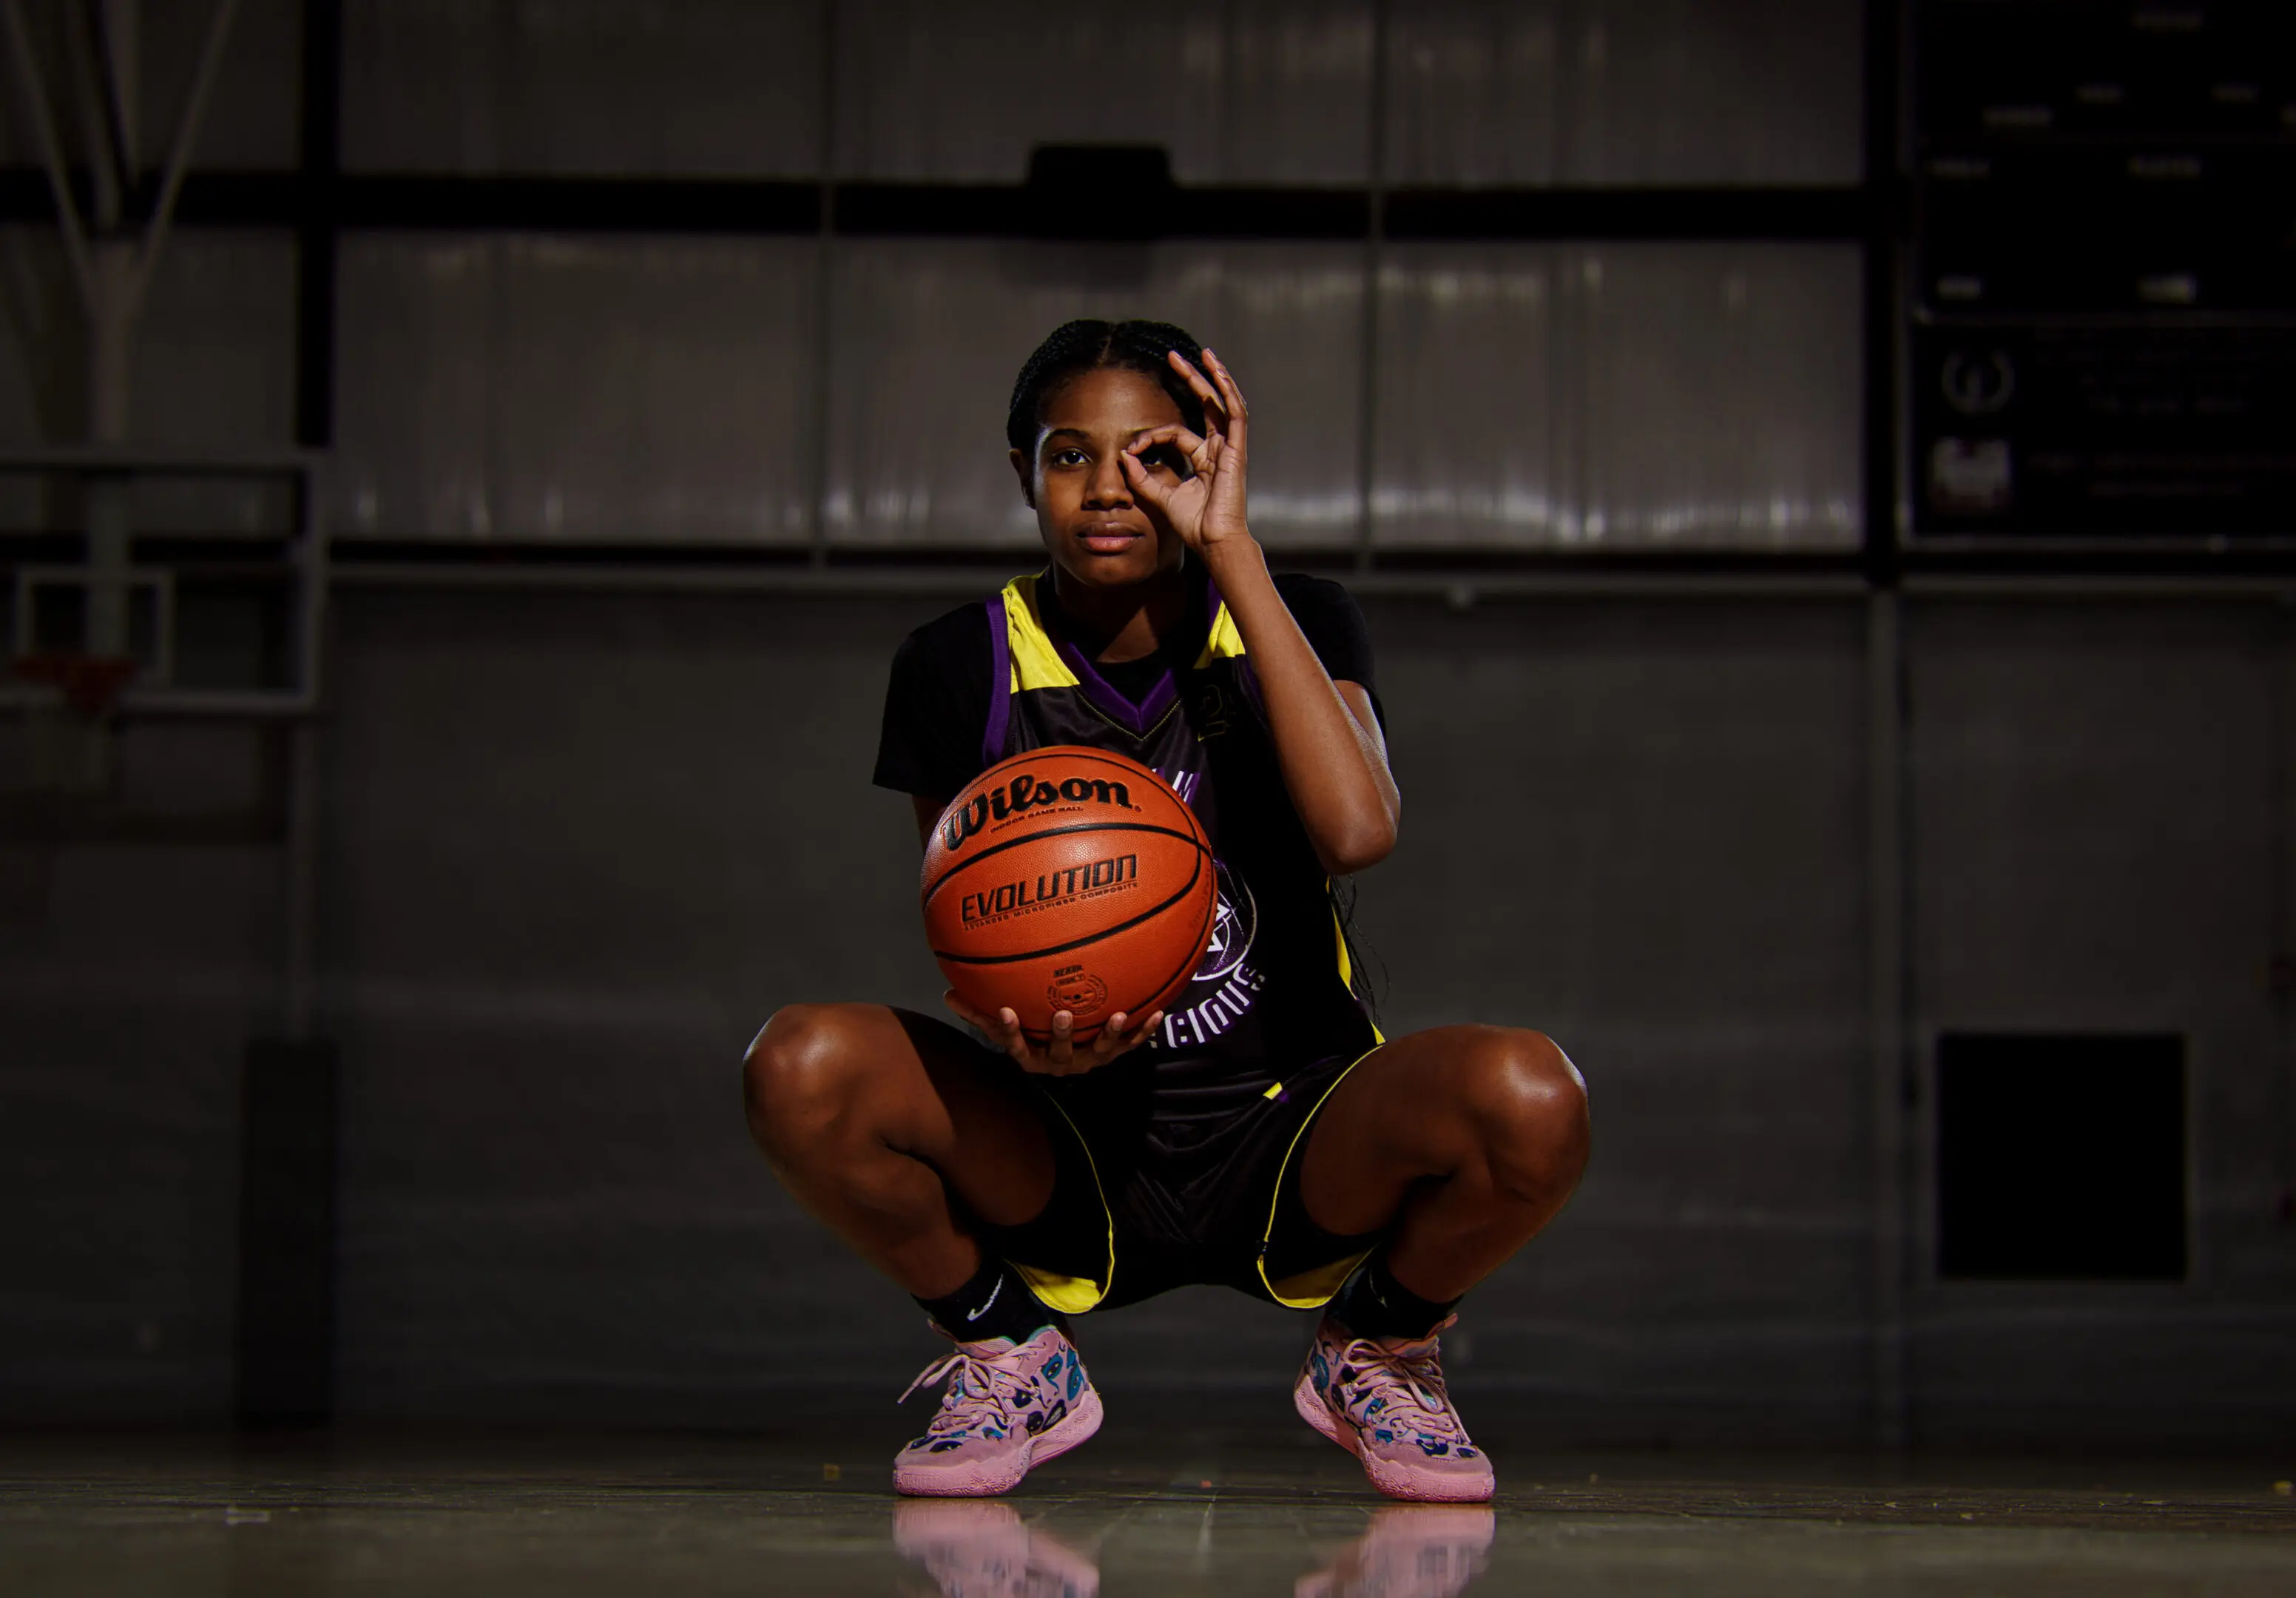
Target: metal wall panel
{"x":663,"y":830}
{"x":211,"y":371}
{"x":717,"y":88}
{"x":532,"y":388}
{"x":252,"y":112}
{"x":130,"y":979}
{"x":1641,"y":828}
{"x":213,"y":362}
{"x":1624,"y":92}
{"x":2099,"y":797}
{"x":1720,"y":387}
{"x":1620,"y":396}
{"x":550,"y":1206}
{"x":1240,"y":91}
{"x":928,"y":336}
{"x":43,"y":340}
{"x":1463,"y":436}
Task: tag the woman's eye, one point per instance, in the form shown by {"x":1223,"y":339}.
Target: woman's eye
{"x":1068,"y":457}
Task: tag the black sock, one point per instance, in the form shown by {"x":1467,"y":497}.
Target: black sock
{"x":996,"y":1303}
{"x":1374,"y":1304}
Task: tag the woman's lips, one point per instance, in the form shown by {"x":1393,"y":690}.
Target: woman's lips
{"x":1109,"y":539}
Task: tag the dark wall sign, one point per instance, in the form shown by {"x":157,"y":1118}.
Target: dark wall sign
{"x":2104,"y":297}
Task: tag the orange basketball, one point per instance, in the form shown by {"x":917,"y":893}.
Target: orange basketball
{"x":1068,"y":878}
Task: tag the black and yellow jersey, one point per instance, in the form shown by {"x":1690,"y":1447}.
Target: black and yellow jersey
{"x":1278,"y":981}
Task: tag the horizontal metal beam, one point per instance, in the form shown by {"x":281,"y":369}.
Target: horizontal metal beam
{"x":289,"y":200}
{"x":1460,"y":589}
{"x":165,"y":704}
{"x":149,"y":462}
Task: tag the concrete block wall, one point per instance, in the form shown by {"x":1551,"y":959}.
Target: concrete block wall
{"x":577,"y":847}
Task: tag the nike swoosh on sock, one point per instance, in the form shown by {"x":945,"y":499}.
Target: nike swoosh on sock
{"x":972,"y":1315}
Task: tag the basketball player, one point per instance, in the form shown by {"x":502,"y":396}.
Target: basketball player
{"x":1261,"y":1133}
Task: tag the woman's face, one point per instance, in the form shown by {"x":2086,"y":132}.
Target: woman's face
{"x":1096,"y":531}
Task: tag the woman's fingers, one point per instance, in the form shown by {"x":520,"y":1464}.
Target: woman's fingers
{"x":1231,"y":398}
{"x":1062,"y":1051}
{"x":1214,"y":403}
{"x":1060,"y":1057}
{"x":1145,"y":483}
{"x":1200,"y":451}
{"x":1118,"y":1040}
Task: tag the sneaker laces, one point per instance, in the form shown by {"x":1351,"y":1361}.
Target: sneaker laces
{"x":1414,"y":1381}
{"x":976,"y":1384}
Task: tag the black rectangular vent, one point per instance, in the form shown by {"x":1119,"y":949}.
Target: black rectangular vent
{"x":2060,"y":1155}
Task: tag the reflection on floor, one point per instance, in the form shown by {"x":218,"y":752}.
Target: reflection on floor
{"x":988,"y":1550}
{"x":1139,"y":1510}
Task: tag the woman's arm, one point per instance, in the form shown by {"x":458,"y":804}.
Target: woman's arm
{"x":1328,"y":742}
{"x":1327,"y":739}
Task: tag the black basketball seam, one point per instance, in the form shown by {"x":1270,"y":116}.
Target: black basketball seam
{"x":1203,"y":935}
{"x":1073,"y":828}
{"x":1077,"y":943}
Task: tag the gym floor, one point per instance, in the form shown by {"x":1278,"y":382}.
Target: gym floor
{"x":1137,"y":1511}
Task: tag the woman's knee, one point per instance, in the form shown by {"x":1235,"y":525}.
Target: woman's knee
{"x":1527,"y":1103}
{"x":801,"y":1075}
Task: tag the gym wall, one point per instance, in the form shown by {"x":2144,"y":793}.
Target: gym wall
{"x":578,"y":840}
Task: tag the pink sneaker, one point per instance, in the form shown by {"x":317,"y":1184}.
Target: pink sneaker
{"x":1384,"y":1402}
{"x":1006,"y":1408}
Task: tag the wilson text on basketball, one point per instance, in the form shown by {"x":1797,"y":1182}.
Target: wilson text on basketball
{"x":1023,"y":793}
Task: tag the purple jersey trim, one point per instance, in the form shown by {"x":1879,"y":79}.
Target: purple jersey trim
{"x":1110,"y":700}
{"x":1000,"y":684}
{"x":1139,"y":719}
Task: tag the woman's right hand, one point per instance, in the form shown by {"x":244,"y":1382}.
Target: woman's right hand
{"x":1061,"y":1057}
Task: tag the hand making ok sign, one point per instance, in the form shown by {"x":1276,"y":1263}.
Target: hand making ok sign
{"x":1207,"y":505}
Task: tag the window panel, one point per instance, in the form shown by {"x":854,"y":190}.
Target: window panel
{"x":1624,"y":395}
{"x":930,"y":336}
{"x":1624,"y":93}
{"x":1463,"y":437}
{"x":1255,"y":91}
{"x":521,"y":387}
{"x":704,"y":87}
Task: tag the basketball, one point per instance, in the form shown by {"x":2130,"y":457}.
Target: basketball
{"x":1068,"y":878}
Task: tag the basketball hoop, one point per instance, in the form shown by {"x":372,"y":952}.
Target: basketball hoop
{"x":71,"y":733}
{"x":89,"y":685}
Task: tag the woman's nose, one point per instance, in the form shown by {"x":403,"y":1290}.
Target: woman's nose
{"x":1108,"y":489}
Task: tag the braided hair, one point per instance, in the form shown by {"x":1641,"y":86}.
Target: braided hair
{"x":1086,"y":344}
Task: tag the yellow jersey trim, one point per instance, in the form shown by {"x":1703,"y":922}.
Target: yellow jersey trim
{"x":1310,"y":1289}
{"x":1224,"y":643}
{"x":1347,"y":962}
{"x":1074,"y":1295}
{"x":1036,"y":662}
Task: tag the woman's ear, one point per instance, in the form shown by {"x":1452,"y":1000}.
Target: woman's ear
{"x":1023,"y":469}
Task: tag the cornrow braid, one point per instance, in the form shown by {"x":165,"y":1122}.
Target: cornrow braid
{"x":1089,"y":346}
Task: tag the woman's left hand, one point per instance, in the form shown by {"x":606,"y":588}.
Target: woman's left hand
{"x":1206,"y":507}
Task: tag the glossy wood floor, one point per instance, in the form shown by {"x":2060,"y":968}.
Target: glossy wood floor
{"x":1138,"y":1511}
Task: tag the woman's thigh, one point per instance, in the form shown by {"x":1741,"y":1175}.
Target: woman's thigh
{"x":824,"y":1079}
{"x":1422,"y":1106}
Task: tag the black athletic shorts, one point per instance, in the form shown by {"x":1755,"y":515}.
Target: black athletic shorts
{"x":1171,"y":1173}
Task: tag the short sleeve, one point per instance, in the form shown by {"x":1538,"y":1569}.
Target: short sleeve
{"x":1333,"y":625}
{"x":936,"y":707}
